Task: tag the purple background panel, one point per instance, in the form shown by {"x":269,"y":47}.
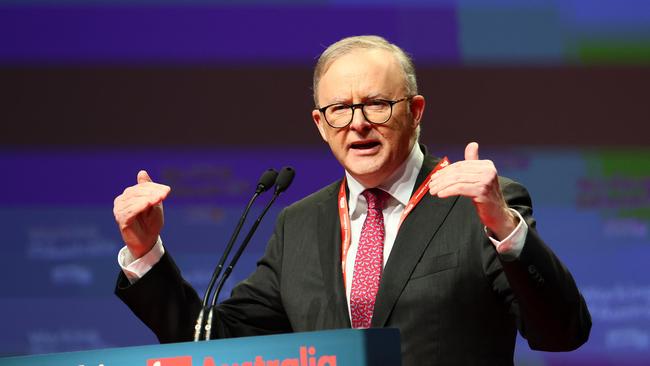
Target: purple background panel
{"x":200,"y":34}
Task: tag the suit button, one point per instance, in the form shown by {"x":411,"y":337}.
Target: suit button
{"x":532,"y":269}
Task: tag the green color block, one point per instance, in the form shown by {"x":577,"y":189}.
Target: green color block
{"x":629,"y":163}
{"x":632,"y":52}
{"x":637,"y":213}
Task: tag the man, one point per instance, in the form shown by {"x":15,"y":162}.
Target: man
{"x":457,"y":270}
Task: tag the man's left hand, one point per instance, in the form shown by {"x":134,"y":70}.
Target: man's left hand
{"x":478,"y":180}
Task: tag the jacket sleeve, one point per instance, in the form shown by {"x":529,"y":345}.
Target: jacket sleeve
{"x":542,"y":295}
{"x":169,"y":306}
{"x":162,"y":300}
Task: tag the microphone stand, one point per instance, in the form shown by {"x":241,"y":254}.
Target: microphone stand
{"x":283,"y":181}
{"x":266,"y":181}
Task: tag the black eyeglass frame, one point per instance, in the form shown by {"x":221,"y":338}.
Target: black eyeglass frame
{"x":391,"y":103}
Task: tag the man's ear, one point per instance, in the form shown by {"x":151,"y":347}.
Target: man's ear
{"x":417,"y":109}
{"x":320,"y":123}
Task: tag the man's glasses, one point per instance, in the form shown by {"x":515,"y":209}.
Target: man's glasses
{"x":377,"y":111}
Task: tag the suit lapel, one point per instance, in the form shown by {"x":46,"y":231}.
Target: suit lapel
{"x":414,"y":236}
{"x":329,"y":246}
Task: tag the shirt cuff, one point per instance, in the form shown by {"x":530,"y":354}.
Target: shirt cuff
{"x":510,"y":248}
{"x":135,"y":269}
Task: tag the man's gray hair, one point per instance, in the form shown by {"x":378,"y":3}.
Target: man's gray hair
{"x":347,"y":45}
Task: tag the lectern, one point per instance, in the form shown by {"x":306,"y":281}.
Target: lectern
{"x":341,"y":347}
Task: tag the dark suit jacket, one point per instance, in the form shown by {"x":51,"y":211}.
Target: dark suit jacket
{"x":444,"y":286}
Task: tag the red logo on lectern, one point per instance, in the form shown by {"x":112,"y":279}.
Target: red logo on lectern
{"x":306,"y":357}
{"x":171,"y":361}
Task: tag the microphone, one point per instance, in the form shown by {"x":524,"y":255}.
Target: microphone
{"x":282,"y":183}
{"x":265,"y":182}
{"x":284,"y":180}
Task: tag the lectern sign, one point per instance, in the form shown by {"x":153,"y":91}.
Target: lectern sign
{"x":306,"y":357}
{"x":326,"y":348}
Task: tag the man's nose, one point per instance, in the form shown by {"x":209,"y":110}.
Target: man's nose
{"x":359,"y":121}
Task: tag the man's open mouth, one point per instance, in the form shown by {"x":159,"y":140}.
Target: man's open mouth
{"x":363,"y":145}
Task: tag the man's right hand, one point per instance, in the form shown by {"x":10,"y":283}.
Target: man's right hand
{"x":139,"y":214}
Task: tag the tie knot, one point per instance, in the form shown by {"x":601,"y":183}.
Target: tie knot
{"x":376,"y":198}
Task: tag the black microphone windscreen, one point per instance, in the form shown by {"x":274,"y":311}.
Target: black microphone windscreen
{"x":284,"y":179}
{"x":267,"y":180}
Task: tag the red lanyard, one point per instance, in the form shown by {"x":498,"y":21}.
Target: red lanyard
{"x":344,"y":214}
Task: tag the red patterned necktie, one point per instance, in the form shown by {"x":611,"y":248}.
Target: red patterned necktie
{"x":368,"y":263}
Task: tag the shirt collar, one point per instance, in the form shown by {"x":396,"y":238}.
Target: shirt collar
{"x":399,"y":185}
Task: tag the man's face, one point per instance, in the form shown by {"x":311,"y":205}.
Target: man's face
{"x":370,"y":152}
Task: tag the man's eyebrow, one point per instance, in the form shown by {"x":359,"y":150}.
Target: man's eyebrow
{"x":347,"y":100}
{"x":339,"y":100}
{"x":376,"y":96}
